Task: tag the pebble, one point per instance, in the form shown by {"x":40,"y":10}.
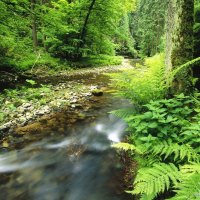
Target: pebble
{"x":5,"y":126}
{"x":26,"y":105}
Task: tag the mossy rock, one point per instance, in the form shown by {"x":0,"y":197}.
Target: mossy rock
{"x":97,"y":92}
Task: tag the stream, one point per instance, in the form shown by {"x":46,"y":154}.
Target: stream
{"x":76,"y":165}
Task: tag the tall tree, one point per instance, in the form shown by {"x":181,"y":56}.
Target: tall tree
{"x":197,"y":29}
{"x":183,"y":34}
{"x":34,"y":27}
{"x":180,"y":38}
{"x":149,"y":22}
{"x":83,"y":31}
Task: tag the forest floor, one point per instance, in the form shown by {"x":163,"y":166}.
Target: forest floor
{"x":51,"y":101}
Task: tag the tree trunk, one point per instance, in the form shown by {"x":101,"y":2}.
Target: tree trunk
{"x":180,"y":41}
{"x":182,"y":50}
{"x":170,"y":22}
{"x":84,"y":29}
{"x":34,"y":26}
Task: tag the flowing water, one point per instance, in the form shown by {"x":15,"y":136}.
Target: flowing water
{"x":73,"y":166}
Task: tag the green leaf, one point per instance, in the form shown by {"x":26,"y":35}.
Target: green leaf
{"x":31,"y":82}
{"x":153,"y":125}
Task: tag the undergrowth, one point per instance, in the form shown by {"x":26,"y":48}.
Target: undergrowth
{"x":95,"y":61}
{"x":40,"y":60}
{"x":166,"y":145}
{"x":143,"y":84}
{"x":164,"y":133}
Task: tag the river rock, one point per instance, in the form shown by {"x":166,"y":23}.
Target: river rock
{"x":97,"y":92}
{"x":21,"y":110}
{"x":5,"y":126}
{"x":22,"y":119}
{"x":73,"y":101}
{"x":43,"y":111}
{"x":26,"y":105}
{"x":87,"y":94}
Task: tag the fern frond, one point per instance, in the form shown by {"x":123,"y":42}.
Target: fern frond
{"x":174,"y":149}
{"x":157,"y":179}
{"x":127,"y":147}
{"x":189,"y":188}
{"x":124,"y":113}
{"x":146,"y":160}
{"x":193,"y":168}
{"x":141,"y":86}
{"x":179,"y":69}
{"x":147,"y":197}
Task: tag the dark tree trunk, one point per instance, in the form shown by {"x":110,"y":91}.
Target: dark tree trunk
{"x":182,"y":50}
{"x":34,"y":26}
{"x":180,"y":41}
{"x":83,"y":32}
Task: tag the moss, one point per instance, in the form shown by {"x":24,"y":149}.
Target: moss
{"x":183,"y":35}
{"x":97,"y":92}
{"x":182,"y":49}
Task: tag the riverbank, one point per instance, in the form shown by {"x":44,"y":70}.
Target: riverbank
{"x":36,"y":108}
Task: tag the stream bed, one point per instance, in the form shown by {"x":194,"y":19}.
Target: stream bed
{"x":76,"y":163}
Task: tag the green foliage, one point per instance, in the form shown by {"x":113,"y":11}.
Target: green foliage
{"x":100,"y":29}
{"x":96,"y":61}
{"x":159,"y":114}
{"x":127,"y":147}
{"x":189,"y":186}
{"x":125,"y":41}
{"x":35,"y":34}
{"x":148,"y":26}
{"x":29,"y":61}
{"x":175,"y":151}
{"x":31,"y":82}
{"x":165,"y":141}
{"x":183,"y":67}
{"x":157,"y":179}
{"x":124,"y":113}
{"x":142,"y":85}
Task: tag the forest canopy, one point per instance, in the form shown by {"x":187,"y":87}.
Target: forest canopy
{"x":67,"y":30}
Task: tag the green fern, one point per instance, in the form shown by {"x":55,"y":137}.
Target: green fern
{"x":193,"y":168}
{"x":179,"y":69}
{"x":146,"y":160}
{"x":124,"y":113}
{"x":127,"y":147}
{"x":147,"y":197}
{"x":155,"y":180}
{"x":175,"y":150}
{"x":189,"y":188}
{"x":142,"y":85}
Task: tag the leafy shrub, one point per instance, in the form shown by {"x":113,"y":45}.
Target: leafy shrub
{"x":165,"y":141}
{"x":32,"y":60}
